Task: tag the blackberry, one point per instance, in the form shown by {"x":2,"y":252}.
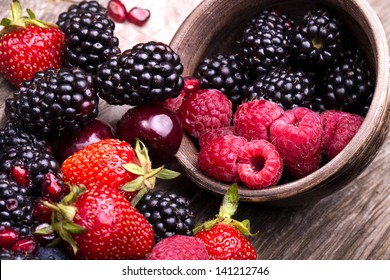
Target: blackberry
{"x":168,"y":213}
{"x":316,"y":39}
{"x":265,"y":42}
{"x":287,"y":88}
{"x":350,"y":84}
{"x":11,"y":135}
{"x":225,"y":73}
{"x":7,"y":254}
{"x":148,"y":73}
{"x":90,"y":41}
{"x":84,"y":6}
{"x":15,"y":206}
{"x":30,"y":167}
{"x":54,"y":100}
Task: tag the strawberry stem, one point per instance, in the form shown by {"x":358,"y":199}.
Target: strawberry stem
{"x":227,"y":209}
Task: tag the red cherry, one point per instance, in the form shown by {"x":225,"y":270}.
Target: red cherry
{"x":20,"y":175}
{"x":116,"y":10}
{"x":138,"y":16}
{"x":8,"y":237}
{"x":71,"y":143}
{"x":157,"y":127}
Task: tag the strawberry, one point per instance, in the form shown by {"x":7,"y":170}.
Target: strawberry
{"x":28,"y":45}
{"x":224,"y":237}
{"x":114,"y":163}
{"x":99,"y":223}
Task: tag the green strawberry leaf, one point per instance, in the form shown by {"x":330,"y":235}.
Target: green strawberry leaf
{"x":230,"y":202}
{"x":134,"y":168}
{"x":166,"y":174}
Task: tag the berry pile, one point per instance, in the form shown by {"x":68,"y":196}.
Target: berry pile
{"x":67,"y":177}
{"x":305,"y":61}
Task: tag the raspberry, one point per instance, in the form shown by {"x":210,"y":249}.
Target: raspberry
{"x":205,"y":109}
{"x":179,"y":247}
{"x":338,"y":129}
{"x":259,"y":164}
{"x":297,"y":137}
{"x":253,"y":119}
{"x":211,"y":134}
{"x":191,"y":85}
{"x":218,"y":158}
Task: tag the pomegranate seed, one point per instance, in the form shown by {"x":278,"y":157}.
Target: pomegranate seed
{"x":116,"y":10}
{"x":138,"y":16}
{"x":40,"y":212}
{"x":51,"y":188}
{"x":27,"y":245}
{"x":20,"y":175}
{"x":8,"y":237}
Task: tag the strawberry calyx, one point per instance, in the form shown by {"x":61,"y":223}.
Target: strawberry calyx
{"x":17,"y":19}
{"x":147,"y":175}
{"x":227,"y":209}
{"x":62,"y":217}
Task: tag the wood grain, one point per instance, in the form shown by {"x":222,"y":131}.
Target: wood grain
{"x":353,"y":223}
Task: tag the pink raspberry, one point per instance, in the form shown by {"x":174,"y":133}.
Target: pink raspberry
{"x":259,"y":164}
{"x":205,"y":109}
{"x":297,"y":136}
{"x":191,"y":85}
{"x":218,"y":158}
{"x":179,"y":247}
{"x":211,"y":134}
{"x":338,"y":129}
{"x":253,"y":119}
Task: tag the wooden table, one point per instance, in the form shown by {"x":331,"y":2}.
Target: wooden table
{"x":353,"y":223}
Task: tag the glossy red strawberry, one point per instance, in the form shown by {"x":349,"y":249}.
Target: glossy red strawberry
{"x":114,"y":163}
{"x":28,"y":45}
{"x":99,"y":223}
{"x":224,"y":237}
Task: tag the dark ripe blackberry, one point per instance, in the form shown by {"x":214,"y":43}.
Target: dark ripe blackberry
{"x":54,"y":100}
{"x":265,"y":42}
{"x":168,"y":213}
{"x":29,"y":166}
{"x":316,"y":39}
{"x":350,"y":84}
{"x":90,"y":41}
{"x":287,"y":88}
{"x":225,"y":73}
{"x":7,"y":254}
{"x":148,"y":73}
{"x":11,"y":135}
{"x":15,"y":206}
{"x":84,"y":6}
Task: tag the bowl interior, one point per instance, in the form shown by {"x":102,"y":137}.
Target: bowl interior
{"x":215,"y":26}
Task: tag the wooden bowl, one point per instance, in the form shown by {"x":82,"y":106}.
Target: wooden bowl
{"x":214,"y":26}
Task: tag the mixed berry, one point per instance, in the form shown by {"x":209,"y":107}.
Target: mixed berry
{"x":288,"y":101}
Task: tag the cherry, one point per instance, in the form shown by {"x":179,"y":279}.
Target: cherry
{"x":157,"y":127}
{"x":26,"y":245}
{"x":116,"y":10}
{"x":138,"y":16}
{"x":47,"y":238}
{"x":71,"y":143}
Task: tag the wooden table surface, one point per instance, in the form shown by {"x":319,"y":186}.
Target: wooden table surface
{"x":353,"y":223}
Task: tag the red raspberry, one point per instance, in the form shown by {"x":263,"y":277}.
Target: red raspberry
{"x":191,"y":85}
{"x":297,"y":136}
{"x":338,"y":129}
{"x":253,"y":119}
{"x":218,"y":158}
{"x":211,"y":134}
{"x":205,"y":109}
{"x":259,"y":164}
